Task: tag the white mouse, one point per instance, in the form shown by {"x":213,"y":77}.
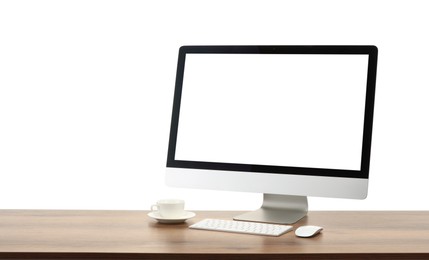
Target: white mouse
{"x":307,"y":231}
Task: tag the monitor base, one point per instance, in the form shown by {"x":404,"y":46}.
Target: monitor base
{"x":278,"y":209}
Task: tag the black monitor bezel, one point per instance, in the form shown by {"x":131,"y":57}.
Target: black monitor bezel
{"x":363,"y":173}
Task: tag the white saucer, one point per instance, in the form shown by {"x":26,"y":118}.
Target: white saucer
{"x":187,"y":215}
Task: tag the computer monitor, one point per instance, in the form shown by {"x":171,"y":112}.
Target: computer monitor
{"x":285,"y":121}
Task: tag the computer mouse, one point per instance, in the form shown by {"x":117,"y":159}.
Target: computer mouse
{"x":307,"y":231}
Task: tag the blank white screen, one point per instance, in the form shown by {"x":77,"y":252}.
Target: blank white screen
{"x":303,"y":110}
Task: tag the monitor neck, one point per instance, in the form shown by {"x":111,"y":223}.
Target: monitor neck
{"x":279,"y":209}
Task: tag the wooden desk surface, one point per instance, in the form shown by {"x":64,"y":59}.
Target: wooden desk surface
{"x":74,"y":234}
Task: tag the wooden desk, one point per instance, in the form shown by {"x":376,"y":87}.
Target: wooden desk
{"x":74,"y":234}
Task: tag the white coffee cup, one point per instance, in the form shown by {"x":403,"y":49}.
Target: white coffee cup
{"x":169,"y":208}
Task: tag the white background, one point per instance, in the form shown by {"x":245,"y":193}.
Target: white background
{"x":86,"y":91}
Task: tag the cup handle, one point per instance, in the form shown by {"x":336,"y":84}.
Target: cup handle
{"x":154,"y":207}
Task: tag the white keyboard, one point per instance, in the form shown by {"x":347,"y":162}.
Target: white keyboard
{"x":242,"y":227}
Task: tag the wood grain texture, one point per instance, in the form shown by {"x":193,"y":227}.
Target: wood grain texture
{"x":49,"y":234}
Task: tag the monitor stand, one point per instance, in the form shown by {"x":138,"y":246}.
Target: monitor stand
{"x":278,"y":209}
